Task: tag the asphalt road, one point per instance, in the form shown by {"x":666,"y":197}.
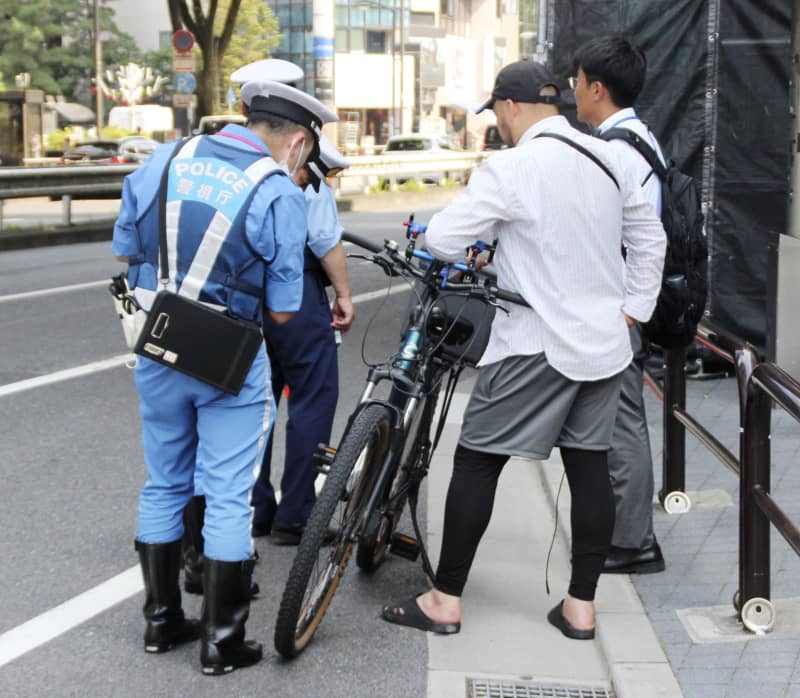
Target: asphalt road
{"x":70,"y":475}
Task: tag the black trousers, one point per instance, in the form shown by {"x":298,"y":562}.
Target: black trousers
{"x":470,"y":499}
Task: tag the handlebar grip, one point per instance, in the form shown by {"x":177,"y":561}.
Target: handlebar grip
{"x":511,"y":297}
{"x":362,"y":242}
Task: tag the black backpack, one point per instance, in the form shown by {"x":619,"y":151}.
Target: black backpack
{"x":684,"y":284}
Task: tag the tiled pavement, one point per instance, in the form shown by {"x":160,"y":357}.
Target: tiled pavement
{"x":701,"y":549}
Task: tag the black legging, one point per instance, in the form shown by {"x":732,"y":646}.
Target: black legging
{"x":470,"y":499}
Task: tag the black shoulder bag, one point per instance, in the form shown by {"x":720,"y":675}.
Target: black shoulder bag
{"x":190,"y":337}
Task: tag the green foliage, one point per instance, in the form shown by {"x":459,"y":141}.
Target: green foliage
{"x":161,"y":63}
{"x":255,"y":35}
{"x":53,"y":40}
{"x":411,"y":185}
{"x":55,"y":140}
{"x":115,"y":132}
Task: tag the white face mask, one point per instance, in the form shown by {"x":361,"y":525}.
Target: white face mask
{"x":299,"y":159}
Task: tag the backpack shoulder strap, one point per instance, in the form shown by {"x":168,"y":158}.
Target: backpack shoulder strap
{"x":583,"y":150}
{"x":643,"y":148}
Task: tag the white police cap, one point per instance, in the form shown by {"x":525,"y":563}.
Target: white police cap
{"x":324,"y":161}
{"x":268,"y":69}
{"x":277,"y":99}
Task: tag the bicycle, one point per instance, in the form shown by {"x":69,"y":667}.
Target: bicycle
{"x":387,"y":445}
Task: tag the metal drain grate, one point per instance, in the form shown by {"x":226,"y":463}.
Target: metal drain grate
{"x":493,"y":688}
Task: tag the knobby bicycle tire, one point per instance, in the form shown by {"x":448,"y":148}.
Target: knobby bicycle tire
{"x":307,"y":596}
{"x":374,"y":541}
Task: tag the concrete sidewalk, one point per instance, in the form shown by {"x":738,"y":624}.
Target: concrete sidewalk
{"x":650,"y":628}
{"x":506,"y":647}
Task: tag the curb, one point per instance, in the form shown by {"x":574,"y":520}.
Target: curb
{"x":637,"y":664}
{"x":91,"y":231}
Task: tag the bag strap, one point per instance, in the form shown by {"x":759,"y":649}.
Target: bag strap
{"x":644,"y":149}
{"x":583,"y":150}
{"x":163,"y":259}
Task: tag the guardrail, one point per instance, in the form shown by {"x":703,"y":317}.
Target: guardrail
{"x":759,"y":385}
{"x":106,"y":180}
{"x":63,"y":182}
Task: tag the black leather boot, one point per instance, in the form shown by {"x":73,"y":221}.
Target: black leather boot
{"x":192,"y":541}
{"x":226,"y":606}
{"x":193,"y":547}
{"x":166,"y":624}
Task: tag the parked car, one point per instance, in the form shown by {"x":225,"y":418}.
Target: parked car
{"x":417,"y":146}
{"x":109,"y":151}
{"x":209,"y":125}
{"x":492,"y":139}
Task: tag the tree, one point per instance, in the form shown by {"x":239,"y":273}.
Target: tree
{"x":52,"y":40}
{"x":255,"y":36}
{"x":225,"y":25}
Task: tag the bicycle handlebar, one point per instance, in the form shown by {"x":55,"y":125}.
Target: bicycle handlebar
{"x":392,"y":258}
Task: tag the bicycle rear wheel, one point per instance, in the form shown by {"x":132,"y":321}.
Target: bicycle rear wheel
{"x":317,"y":569}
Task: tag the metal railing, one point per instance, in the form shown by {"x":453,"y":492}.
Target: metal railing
{"x":759,"y":385}
{"x":106,"y":180}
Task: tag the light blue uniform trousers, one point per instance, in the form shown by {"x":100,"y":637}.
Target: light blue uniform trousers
{"x":187,"y":424}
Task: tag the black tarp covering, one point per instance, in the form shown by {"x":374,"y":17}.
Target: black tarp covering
{"x":718,"y":98}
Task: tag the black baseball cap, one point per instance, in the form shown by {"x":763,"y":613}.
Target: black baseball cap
{"x":522,"y":82}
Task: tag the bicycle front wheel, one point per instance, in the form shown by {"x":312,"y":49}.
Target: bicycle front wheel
{"x":318,"y":568}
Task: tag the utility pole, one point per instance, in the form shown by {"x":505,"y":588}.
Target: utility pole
{"x":98,"y":70}
{"x":402,"y":62}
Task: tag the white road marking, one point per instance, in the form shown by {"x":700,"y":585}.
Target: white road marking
{"x":398,"y":287}
{"x":50,"y":624}
{"x":122,"y":359}
{"x":53,"y":291}
{"x":66,"y":374}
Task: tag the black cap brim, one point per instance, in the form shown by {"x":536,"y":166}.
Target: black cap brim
{"x":488,"y":104}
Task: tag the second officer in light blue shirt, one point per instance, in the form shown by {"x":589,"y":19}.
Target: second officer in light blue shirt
{"x":304,"y":359}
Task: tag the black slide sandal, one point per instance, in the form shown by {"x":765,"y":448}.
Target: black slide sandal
{"x":408,"y":613}
{"x":556,"y":618}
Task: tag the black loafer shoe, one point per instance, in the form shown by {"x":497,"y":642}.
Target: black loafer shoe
{"x":632,"y":561}
{"x":290,"y":534}
{"x":258,"y":530}
{"x":286,"y":534}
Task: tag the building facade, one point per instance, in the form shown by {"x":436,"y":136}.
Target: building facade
{"x":397,"y":65}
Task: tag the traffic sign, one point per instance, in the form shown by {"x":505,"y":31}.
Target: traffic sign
{"x":183,"y":40}
{"x":183,"y":63}
{"x":185,"y":83}
{"x":182,"y":101}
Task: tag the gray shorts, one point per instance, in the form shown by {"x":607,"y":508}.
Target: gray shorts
{"x":522,"y":406}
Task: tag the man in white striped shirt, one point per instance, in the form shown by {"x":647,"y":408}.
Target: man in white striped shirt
{"x":560,"y":204}
{"x":610,"y":74}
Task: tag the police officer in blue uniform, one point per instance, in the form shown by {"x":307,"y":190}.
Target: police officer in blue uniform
{"x":277,"y":70}
{"x":303,"y":357}
{"x":235,"y":230}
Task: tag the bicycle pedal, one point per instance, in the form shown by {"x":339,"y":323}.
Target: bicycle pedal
{"x":404,"y":546}
{"x":322,"y":459}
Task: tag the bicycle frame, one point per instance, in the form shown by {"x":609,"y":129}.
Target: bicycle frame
{"x":405,"y":400}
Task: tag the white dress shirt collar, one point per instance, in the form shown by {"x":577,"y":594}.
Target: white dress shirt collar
{"x":617,"y":117}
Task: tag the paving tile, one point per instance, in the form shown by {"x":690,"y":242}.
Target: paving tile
{"x":717,"y":655}
{"x":718,"y":675}
{"x":756,"y":690}
{"x":773,"y":674}
{"x":704,"y":690}
{"x":793,"y":691}
{"x":771,"y":645}
{"x":675,"y":652}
